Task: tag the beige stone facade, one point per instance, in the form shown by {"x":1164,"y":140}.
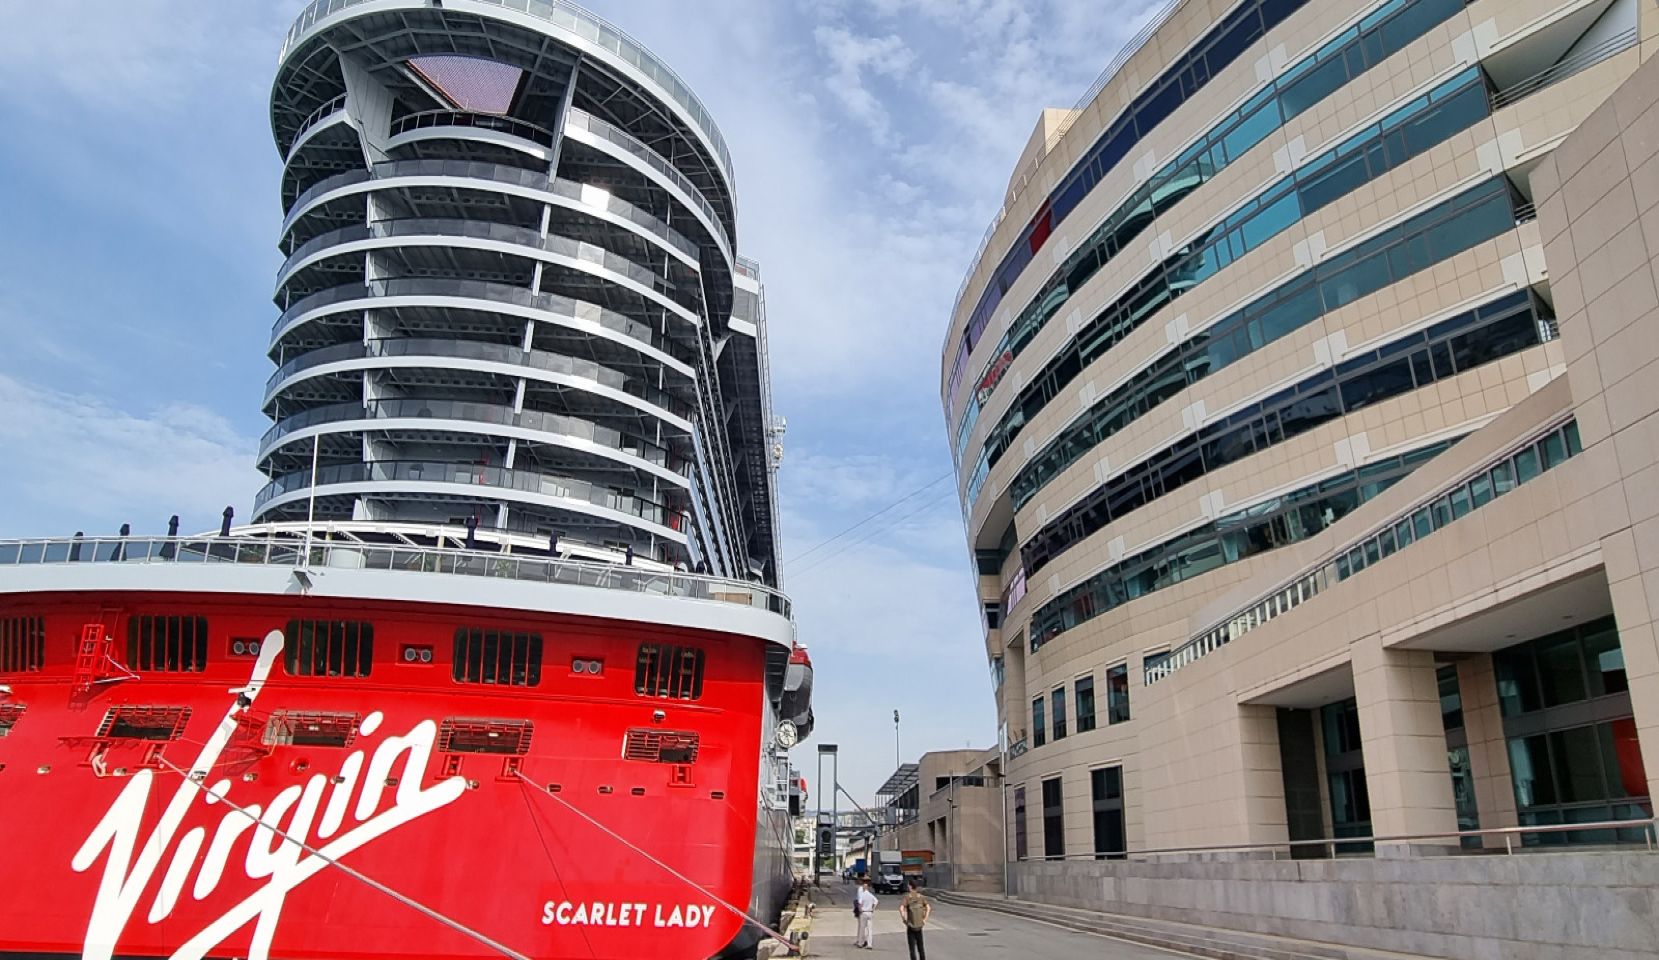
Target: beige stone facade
{"x":1399,"y":665}
{"x":950,"y":806}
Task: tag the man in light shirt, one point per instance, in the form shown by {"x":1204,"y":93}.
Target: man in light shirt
{"x":864,"y":908}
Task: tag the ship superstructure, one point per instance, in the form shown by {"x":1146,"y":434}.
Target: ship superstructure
{"x":501,"y":667}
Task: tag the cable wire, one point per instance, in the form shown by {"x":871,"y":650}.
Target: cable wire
{"x":896,"y":503}
{"x":868,"y":536}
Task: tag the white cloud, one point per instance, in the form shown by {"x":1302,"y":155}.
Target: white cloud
{"x":852,"y":56}
{"x":82,"y":463}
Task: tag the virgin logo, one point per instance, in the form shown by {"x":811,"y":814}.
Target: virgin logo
{"x":132,"y":860}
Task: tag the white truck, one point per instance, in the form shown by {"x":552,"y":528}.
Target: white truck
{"x":889,"y":874}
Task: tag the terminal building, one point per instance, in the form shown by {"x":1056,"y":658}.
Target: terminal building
{"x":1301,"y":402}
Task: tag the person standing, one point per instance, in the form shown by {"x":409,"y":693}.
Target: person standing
{"x":914,"y":911}
{"x":864,"y":908}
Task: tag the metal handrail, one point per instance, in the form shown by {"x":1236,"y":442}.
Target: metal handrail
{"x":1649,"y":826}
{"x":431,"y":119}
{"x":486,"y":291}
{"x":1315,"y":577}
{"x":327,"y":109}
{"x":291,"y":552}
{"x":1562,"y":69}
{"x":584,"y":24}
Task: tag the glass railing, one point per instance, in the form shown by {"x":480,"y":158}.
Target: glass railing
{"x":495,"y":478}
{"x":1473,"y":491}
{"x":322,"y":241}
{"x":289,"y":552}
{"x":581,"y":120}
{"x":473,"y":412}
{"x":490,"y":352}
{"x":486,"y":292}
{"x":591,"y":28}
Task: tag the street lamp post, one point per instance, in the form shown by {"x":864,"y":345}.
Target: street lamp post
{"x":898,"y":754}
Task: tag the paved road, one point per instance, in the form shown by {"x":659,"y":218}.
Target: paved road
{"x":960,"y":933}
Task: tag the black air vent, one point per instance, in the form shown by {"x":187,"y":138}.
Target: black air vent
{"x":661,"y":746}
{"x":475,"y":735}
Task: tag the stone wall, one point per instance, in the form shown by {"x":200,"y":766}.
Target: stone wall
{"x":1544,"y":906}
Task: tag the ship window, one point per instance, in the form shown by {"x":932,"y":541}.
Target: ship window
{"x":294,"y":728}
{"x":661,"y":746}
{"x":473,"y":735}
{"x":144,"y":723}
{"x":329,"y":648}
{"x":22,"y":644}
{"x":10,"y":713}
{"x":494,"y":656}
{"x":664,"y":670}
{"x":174,"y":644}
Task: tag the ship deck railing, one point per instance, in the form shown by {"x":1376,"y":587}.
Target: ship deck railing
{"x":356,"y":555}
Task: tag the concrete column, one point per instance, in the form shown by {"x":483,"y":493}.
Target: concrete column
{"x":1264,"y":779}
{"x":1405,"y":745}
{"x":1477,"y":684}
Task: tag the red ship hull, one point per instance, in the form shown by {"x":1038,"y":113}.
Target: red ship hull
{"x":534,"y":816}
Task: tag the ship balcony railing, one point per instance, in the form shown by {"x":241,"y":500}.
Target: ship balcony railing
{"x":324,"y":112}
{"x":480,"y":172}
{"x":432,"y":119}
{"x":589,"y":27}
{"x":485,"y":477}
{"x":486,"y":352}
{"x":484,"y":291}
{"x":582,"y":120}
{"x":507,"y":233}
{"x":289,"y":551}
{"x":483,"y":413}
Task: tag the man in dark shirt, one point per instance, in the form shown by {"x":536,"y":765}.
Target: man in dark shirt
{"x":914,"y":910}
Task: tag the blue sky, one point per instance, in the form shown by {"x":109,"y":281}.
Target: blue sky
{"x":873,"y":140}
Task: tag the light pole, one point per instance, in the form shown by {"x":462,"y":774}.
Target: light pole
{"x":898,"y":754}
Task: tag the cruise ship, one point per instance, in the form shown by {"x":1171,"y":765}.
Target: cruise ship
{"x":500,"y":664}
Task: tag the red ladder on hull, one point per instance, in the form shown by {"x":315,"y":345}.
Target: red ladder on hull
{"x":95,"y":661}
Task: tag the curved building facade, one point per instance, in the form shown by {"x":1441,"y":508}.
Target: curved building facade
{"x":511,"y":299}
{"x":1269,"y":307}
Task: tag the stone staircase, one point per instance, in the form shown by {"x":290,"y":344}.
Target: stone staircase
{"x":1193,"y":939}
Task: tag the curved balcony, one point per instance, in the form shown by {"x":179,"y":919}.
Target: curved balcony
{"x":482,"y":295}
{"x":329,"y":111}
{"x":479,"y":175}
{"x":344,"y":354}
{"x":636,"y":451}
{"x":478,"y":481}
{"x":578,"y":253}
{"x":432,"y":119}
{"x":592,"y":32}
{"x":269,"y":548}
{"x":600,"y":131}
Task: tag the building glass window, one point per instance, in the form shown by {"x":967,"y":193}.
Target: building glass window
{"x":1573,"y":751}
{"x":1057,"y":723}
{"x":1085,"y":704}
{"x":1039,"y":735}
{"x":1451,"y":698}
{"x":1117,"y":694}
{"x":1054,"y":825}
{"x":1345,"y":773}
{"x":1110,"y":838}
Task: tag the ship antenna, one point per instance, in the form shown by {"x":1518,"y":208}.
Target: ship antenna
{"x":357,"y":875}
{"x":775,"y":935}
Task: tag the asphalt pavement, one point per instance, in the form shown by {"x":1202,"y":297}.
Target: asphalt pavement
{"x":958,"y":933}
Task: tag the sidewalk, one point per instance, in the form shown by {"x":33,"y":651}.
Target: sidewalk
{"x":834,"y":926}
